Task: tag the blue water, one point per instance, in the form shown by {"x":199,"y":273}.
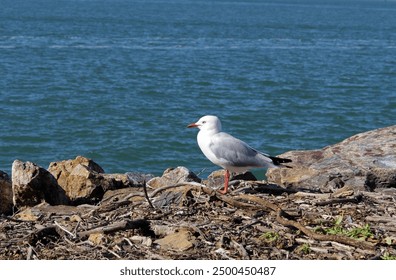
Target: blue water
{"x":119,"y":80}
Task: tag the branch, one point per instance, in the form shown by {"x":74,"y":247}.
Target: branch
{"x":146,"y":195}
{"x":124,"y":225}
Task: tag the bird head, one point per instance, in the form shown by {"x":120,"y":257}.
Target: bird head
{"x":207,"y":123}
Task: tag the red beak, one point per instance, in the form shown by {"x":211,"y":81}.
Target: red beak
{"x":192,"y":125}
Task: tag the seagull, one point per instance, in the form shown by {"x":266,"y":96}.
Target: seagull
{"x":228,"y":152}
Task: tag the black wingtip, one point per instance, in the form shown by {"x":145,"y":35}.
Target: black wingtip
{"x":279,"y":161}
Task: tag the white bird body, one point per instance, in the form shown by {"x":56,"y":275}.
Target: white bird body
{"x":229,"y":152}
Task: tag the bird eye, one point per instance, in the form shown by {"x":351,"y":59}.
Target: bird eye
{"x":204,"y":122}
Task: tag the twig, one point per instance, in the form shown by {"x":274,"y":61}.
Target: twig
{"x":127,"y":197}
{"x":123,"y":199}
{"x":242,"y":251}
{"x":154,"y":256}
{"x":111,"y":251}
{"x":29,"y":253}
{"x":65,"y":230}
{"x":106,"y":207}
{"x":249,"y":225}
{"x":113,"y":206}
{"x":76,"y":227}
{"x":146,"y":195}
{"x":229,"y":200}
{"x":124,"y":225}
{"x":261,"y":202}
{"x":355,"y":199}
{"x":129,"y":241}
{"x":315,"y":195}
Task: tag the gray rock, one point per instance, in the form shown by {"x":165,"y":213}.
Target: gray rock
{"x":137,"y":179}
{"x":358,"y":162}
{"x":32,"y":184}
{"x":172,"y":176}
{"x":380,"y":178}
{"x":6,"y":201}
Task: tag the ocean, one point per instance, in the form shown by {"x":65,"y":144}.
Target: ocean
{"x":118,"y":81}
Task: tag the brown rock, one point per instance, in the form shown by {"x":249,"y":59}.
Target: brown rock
{"x":71,"y":163}
{"x":172,"y":176}
{"x":27,"y":215}
{"x":180,"y":240}
{"x":83,"y":179}
{"x":5,"y":194}
{"x":97,"y":238}
{"x":347,"y":163}
{"x":32,"y":184}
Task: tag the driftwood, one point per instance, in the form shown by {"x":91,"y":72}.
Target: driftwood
{"x":253,"y":222}
{"x":119,"y":226}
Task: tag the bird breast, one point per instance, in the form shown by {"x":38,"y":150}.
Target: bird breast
{"x":204,"y":142}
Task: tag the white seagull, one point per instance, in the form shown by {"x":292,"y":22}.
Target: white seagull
{"x":229,"y":152}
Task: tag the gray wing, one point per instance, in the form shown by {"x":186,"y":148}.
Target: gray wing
{"x":237,"y":152}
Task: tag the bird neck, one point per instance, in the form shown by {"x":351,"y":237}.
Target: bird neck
{"x":209,"y":132}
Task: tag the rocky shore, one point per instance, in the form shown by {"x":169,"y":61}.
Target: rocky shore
{"x":334,"y":203}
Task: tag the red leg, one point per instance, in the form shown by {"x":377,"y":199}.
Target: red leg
{"x":226,"y":181}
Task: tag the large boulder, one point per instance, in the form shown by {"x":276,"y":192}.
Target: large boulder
{"x":6,"y":202}
{"x":364,"y":161}
{"x":32,"y":184}
{"x":84,"y":181}
{"x":78,"y":178}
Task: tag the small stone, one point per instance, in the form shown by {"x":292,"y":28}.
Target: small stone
{"x":27,"y":215}
{"x":75,"y":218}
{"x":144,"y":240}
{"x":97,"y":238}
